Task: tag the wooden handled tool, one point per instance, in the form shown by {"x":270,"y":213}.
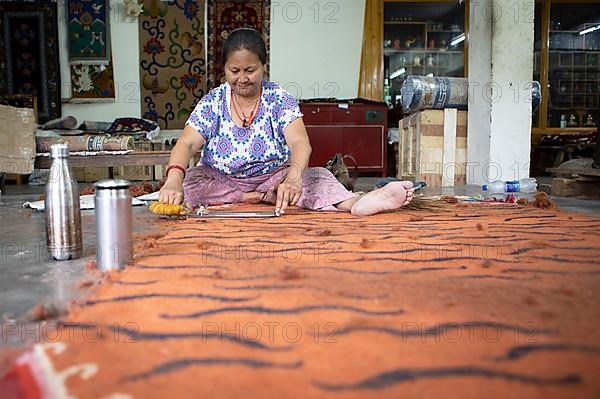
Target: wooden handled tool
{"x":160,"y":208}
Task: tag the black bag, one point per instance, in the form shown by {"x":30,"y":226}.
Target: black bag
{"x":338,"y":168}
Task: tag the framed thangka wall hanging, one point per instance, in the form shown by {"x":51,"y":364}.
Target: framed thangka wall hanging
{"x":89,"y":38}
{"x":225,"y":16}
{"x":29,"y":54}
{"x":92,"y":77}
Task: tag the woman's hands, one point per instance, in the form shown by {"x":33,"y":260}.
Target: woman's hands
{"x":172,"y":191}
{"x":288,"y":193}
{"x":189,"y":142}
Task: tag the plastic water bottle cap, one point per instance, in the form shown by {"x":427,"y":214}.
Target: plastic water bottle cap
{"x":484,"y":187}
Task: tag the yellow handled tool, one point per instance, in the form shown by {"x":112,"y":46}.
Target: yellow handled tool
{"x":161,"y":208}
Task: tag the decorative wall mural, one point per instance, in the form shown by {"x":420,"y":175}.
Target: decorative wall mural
{"x":172,"y":60}
{"x":224,"y":16}
{"x":29,"y":54}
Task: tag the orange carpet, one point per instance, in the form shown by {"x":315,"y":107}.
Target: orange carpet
{"x":486,"y":300}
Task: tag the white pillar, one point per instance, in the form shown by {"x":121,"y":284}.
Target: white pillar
{"x":500,"y":74}
{"x":480,"y":76}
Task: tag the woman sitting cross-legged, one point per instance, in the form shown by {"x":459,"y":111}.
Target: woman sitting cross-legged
{"x":256,"y":148}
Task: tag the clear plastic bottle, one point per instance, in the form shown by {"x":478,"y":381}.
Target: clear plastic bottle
{"x":527,"y":185}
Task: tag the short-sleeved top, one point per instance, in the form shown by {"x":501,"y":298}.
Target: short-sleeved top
{"x":245,"y":152}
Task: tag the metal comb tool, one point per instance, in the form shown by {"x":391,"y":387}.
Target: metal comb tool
{"x":203,"y":212}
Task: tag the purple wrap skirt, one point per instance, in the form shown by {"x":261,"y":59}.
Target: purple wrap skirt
{"x":206,"y":186}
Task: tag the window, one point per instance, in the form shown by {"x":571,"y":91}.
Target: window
{"x":573,"y":65}
{"x":422,"y":39}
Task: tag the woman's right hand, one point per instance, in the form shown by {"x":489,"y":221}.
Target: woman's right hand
{"x":172,"y":191}
{"x":189,"y":143}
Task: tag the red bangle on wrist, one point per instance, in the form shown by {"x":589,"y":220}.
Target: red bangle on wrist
{"x":175,"y":166}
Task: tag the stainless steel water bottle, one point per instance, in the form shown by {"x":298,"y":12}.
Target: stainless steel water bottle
{"x":63,"y":217}
{"x":114,"y":241}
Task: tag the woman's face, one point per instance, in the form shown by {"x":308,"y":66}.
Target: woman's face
{"x":244,"y":72}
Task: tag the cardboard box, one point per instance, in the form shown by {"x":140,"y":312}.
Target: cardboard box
{"x":165,"y":141}
{"x":17,"y":140}
{"x":20,"y":101}
{"x":433,"y":147}
{"x":159,"y":170}
{"x":90,"y":174}
{"x":143,"y":172}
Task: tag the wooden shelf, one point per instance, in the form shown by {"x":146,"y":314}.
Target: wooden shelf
{"x":423,"y":50}
{"x":573,"y":66}
{"x":136,"y":158}
{"x":570,"y":171}
{"x":565,"y":130}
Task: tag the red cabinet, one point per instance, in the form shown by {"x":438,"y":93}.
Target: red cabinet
{"x":359,"y":130}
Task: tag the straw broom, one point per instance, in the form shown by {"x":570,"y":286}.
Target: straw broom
{"x":440,"y":204}
{"x":430,"y":203}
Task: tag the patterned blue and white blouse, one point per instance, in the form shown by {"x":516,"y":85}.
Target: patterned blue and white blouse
{"x":245,"y":152}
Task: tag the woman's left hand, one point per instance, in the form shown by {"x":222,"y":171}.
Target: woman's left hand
{"x":288,"y":193}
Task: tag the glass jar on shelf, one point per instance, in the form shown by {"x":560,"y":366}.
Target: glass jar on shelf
{"x":563,"y":121}
{"x":589,"y":121}
{"x":430,"y":59}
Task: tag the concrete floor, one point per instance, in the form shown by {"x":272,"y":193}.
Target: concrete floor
{"x":28,"y":277}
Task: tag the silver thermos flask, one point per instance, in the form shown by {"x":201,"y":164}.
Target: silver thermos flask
{"x":114,"y":243}
{"x":63,"y":217}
